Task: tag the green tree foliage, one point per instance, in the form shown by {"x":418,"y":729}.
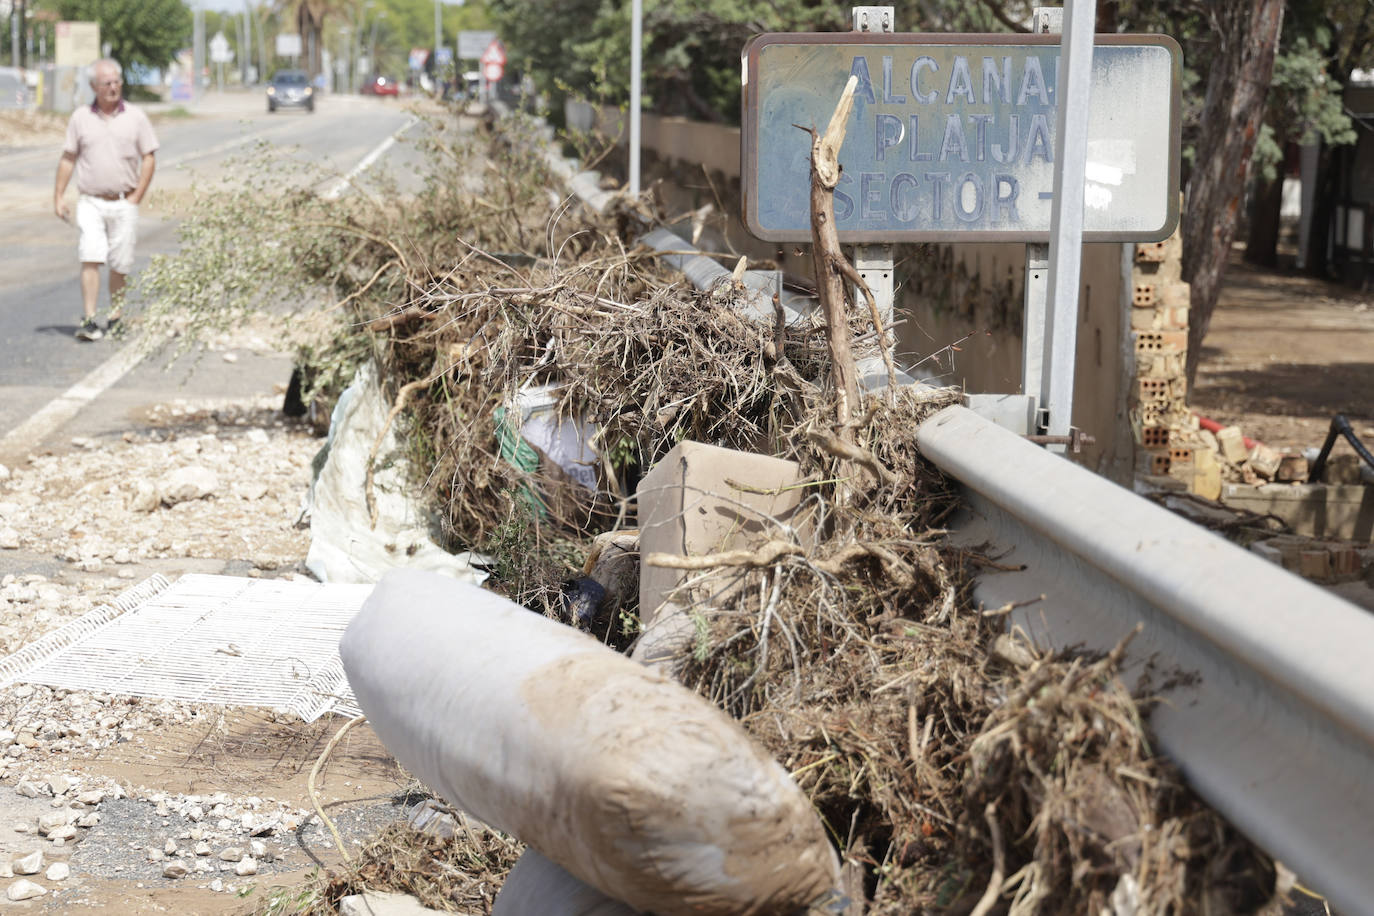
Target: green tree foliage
{"x":147,"y":32}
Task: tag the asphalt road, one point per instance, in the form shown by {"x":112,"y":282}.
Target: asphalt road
{"x":44,"y":371}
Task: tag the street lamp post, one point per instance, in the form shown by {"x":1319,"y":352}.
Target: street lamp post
{"x":372,"y":43}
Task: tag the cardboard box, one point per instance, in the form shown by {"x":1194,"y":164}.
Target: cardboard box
{"x":702,"y":499}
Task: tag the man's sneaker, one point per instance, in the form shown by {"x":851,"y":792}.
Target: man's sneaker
{"x":89,"y":330}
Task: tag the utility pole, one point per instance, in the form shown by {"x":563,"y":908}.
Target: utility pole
{"x":636,"y":92}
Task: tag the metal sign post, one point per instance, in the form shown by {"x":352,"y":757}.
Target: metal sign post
{"x":875,"y":263}
{"x":1066,"y":225}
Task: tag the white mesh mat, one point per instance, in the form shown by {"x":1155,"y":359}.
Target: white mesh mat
{"x":206,"y":639}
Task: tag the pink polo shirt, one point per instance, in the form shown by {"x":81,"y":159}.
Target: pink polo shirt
{"x":109,"y":148}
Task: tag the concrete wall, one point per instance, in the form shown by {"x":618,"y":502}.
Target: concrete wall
{"x":964,"y":296}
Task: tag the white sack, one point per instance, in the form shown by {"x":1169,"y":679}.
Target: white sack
{"x":629,"y":781}
{"x":538,"y":887}
{"x":565,"y":440}
{"x":344,"y":545}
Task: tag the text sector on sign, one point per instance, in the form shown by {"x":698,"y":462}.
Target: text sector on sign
{"x":953,"y":135}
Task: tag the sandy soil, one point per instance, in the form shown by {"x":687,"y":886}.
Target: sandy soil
{"x":1284,"y":354}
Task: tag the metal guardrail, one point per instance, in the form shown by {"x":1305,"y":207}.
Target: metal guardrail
{"x":1276,"y":730}
{"x":1271,"y":716}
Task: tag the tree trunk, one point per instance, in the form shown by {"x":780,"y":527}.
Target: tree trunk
{"x":1262,"y":242}
{"x":1323,"y":209}
{"x":1247,"y":37}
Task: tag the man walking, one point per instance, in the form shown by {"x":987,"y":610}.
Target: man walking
{"x":110,"y":147}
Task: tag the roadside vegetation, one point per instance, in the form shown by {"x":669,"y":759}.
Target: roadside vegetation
{"x":954,"y":765}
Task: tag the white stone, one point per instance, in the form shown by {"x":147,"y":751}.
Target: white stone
{"x":247,"y":866}
{"x":174,"y":870}
{"x":60,"y":785}
{"x":49,"y":822}
{"x":231,"y":854}
{"x":9,"y":539}
{"x":5,"y":472}
{"x":146,"y":498}
{"x":24,"y":889}
{"x":217,"y":885}
{"x":92,"y":797}
{"x":88,"y":821}
{"x":62,"y":834}
{"x":155,"y":855}
{"x":257,"y":849}
{"x":28,"y":789}
{"x":202,"y":848}
{"x":30,"y":864}
{"x":58,"y":871}
{"x":170,"y":847}
{"x":195,"y":813}
{"x":188,"y":483}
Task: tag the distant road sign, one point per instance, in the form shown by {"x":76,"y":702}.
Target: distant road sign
{"x":78,"y":43}
{"x":952,"y":136}
{"x":418,"y":56}
{"x":471,"y":44}
{"x":495,"y":53}
{"x":492,"y":72}
{"x":443,"y":56}
{"x":289,"y":45}
{"x":220,"y":52}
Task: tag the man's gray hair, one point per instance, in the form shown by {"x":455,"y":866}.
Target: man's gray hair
{"x":106,"y":62}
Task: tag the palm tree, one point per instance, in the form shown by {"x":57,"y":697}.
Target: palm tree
{"x":310,"y":16}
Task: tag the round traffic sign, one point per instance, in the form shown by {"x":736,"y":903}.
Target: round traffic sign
{"x":492,"y":71}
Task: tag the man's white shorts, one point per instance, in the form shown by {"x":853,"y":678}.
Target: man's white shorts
{"x":108,"y":230}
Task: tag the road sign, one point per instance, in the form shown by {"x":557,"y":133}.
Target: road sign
{"x":495,"y":53}
{"x":443,"y":56}
{"x":78,"y":43}
{"x":471,"y":44}
{"x":952,"y":136}
{"x":220,"y":52}
{"x":289,"y":45}
{"x":492,"y":72}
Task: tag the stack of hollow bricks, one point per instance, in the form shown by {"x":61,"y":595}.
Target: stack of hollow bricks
{"x":1165,"y":430}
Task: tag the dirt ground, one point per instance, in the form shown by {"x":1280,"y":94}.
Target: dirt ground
{"x":1284,"y":354}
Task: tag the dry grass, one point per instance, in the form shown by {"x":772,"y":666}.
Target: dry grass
{"x":958,"y":768}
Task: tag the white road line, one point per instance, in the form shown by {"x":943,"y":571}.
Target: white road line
{"x":27,"y":435}
{"x":342,"y":184}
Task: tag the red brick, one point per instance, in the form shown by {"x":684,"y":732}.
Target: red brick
{"x":1154,"y":436}
{"x":1151,"y":252}
{"x":1173,"y":295}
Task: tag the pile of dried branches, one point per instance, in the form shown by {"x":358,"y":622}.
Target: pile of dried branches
{"x":959,"y":768}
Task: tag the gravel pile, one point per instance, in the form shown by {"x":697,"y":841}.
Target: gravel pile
{"x":222,"y":481}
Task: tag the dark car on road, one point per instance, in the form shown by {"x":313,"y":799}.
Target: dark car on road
{"x":290,"y":89}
